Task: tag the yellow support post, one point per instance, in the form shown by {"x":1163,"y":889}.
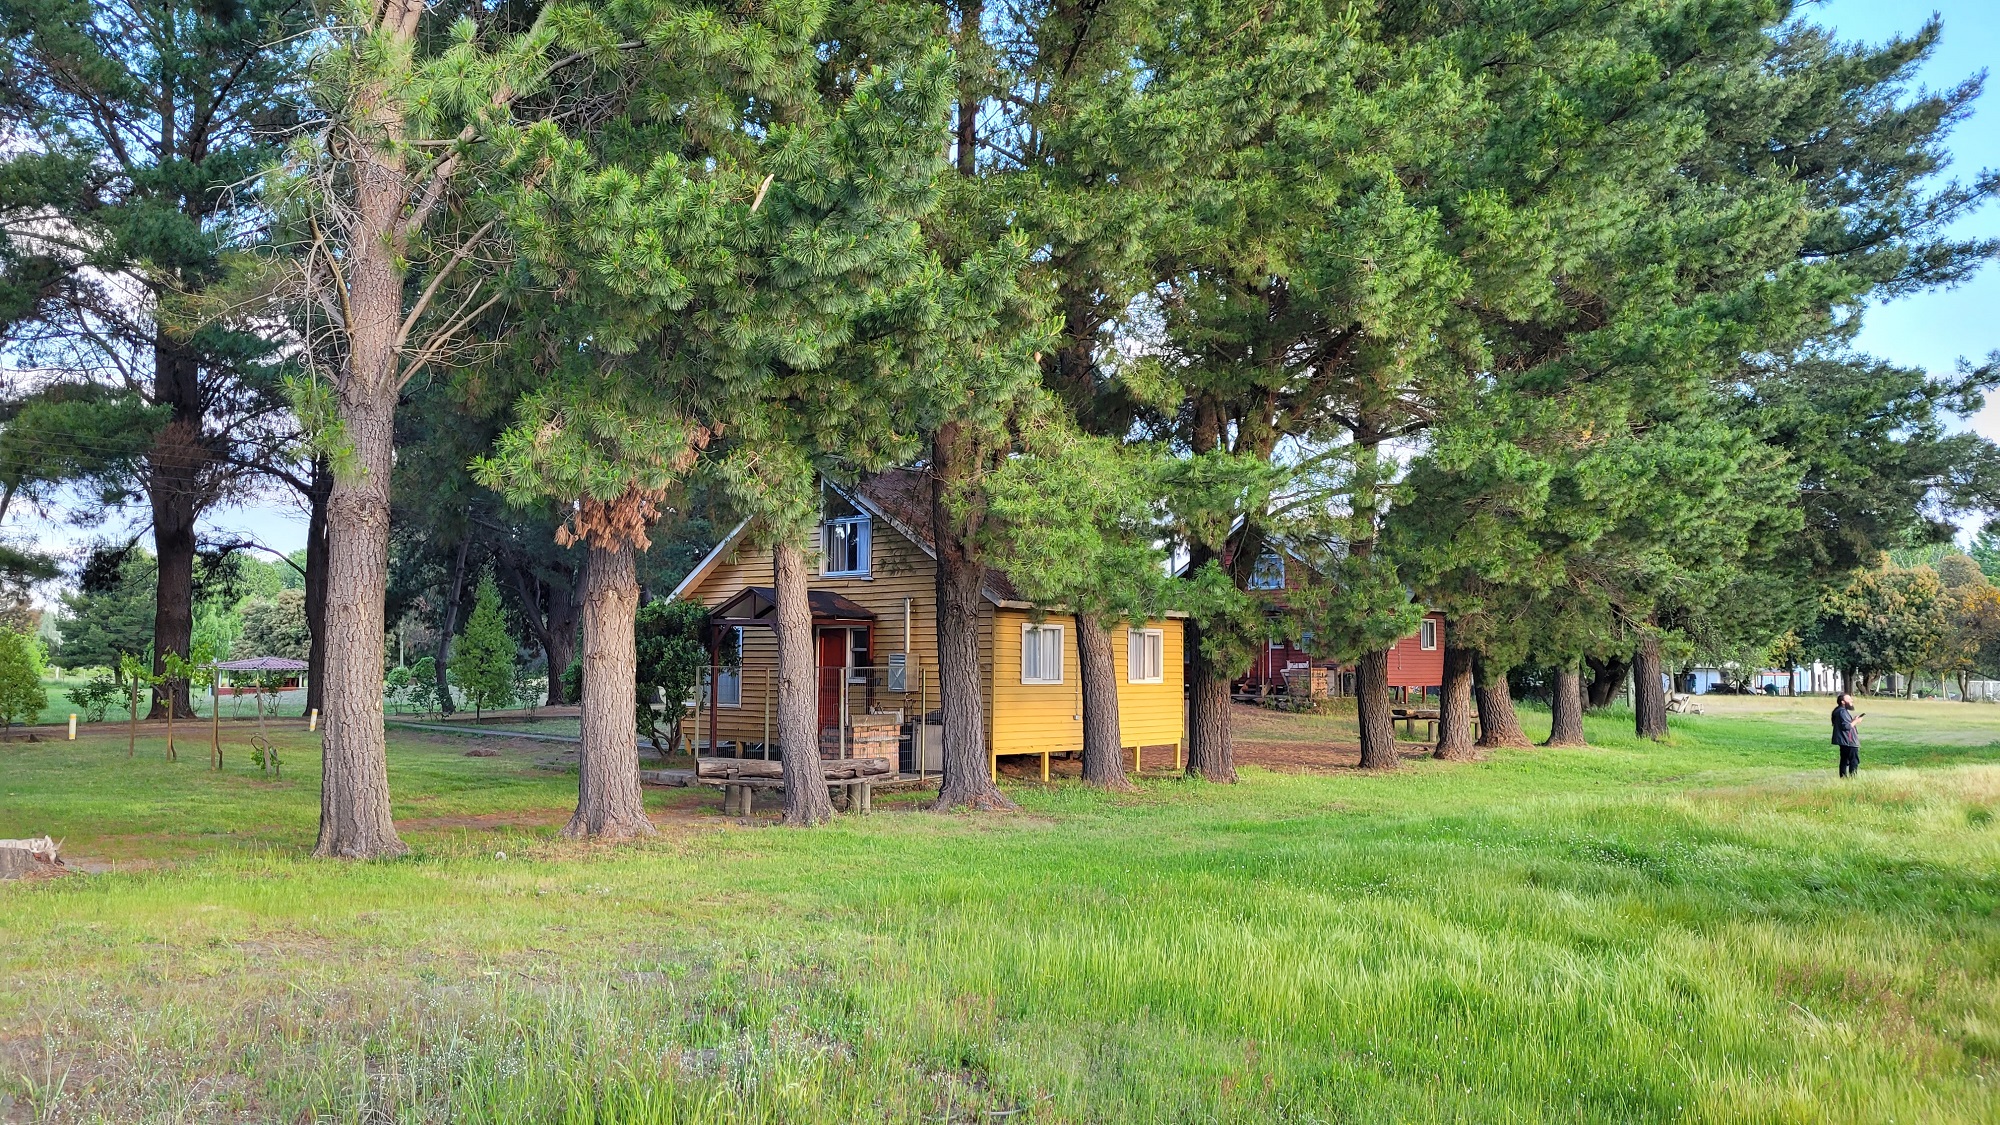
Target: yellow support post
{"x":1138,"y":759}
{"x":1045,"y":767}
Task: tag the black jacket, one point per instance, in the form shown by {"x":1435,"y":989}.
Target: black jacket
{"x":1844,"y":733}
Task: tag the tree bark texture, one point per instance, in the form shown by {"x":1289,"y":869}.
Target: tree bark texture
{"x":454,"y":600}
{"x":1371,"y":708}
{"x":1499,"y":724}
{"x":174,"y":514}
{"x":1607,"y":679}
{"x":1566,"y":707}
{"x":320,"y":486}
{"x":354,"y":792}
{"x":1211,"y":747}
{"x":608,"y":800}
{"x":967,"y":781}
{"x":177,"y":490}
{"x":1103,"y":749}
{"x":806,"y":801}
{"x":1455,"y":707}
{"x":1649,"y":699}
{"x":354,"y":779}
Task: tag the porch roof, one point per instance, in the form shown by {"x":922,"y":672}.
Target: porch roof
{"x":757,"y":607}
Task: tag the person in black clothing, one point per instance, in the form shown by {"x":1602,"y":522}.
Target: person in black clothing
{"x":1845,"y":736}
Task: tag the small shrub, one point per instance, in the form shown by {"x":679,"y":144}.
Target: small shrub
{"x":97,"y":696}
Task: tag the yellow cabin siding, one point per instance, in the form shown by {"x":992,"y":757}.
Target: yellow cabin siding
{"x":1033,"y":718}
{"x":1151,"y":714}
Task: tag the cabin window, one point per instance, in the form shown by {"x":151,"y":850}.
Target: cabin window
{"x":844,"y":547}
{"x":1427,"y":634}
{"x":1041,"y":654}
{"x":1145,"y":656}
{"x":729,"y":673}
{"x":1269,"y":573}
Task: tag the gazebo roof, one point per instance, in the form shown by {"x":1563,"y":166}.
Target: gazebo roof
{"x":264,"y":664}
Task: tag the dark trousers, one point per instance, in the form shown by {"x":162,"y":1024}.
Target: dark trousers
{"x":1850,"y":760}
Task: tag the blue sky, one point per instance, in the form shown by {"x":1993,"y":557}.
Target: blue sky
{"x":1935,"y":330}
{"x":1932,"y":331}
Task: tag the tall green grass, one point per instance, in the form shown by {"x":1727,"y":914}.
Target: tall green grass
{"x":1712,"y":930}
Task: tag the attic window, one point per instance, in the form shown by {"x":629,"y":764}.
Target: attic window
{"x":1269,"y":573}
{"x":844,"y":547}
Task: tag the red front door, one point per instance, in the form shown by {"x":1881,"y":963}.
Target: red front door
{"x":832,"y":675}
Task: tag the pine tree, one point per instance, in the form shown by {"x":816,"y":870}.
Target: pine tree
{"x":483,"y":670}
{"x":134,"y":128}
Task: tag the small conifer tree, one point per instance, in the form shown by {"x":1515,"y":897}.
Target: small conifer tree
{"x":484,"y":666}
{"x":21,"y":693}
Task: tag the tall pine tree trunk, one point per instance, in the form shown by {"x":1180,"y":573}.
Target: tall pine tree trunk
{"x":1103,"y":747}
{"x":1211,"y":747}
{"x":806,"y":802}
{"x":354,"y":777}
{"x":175,"y":490}
{"x":319,"y":487}
{"x":173,"y":596}
{"x":1499,"y":725}
{"x":1566,"y":707}
{"x":608,"y":800}
{"x":1649,"y":700}
{"x":565,"y":611}
{"x":454,"y":599}
{"x":354,"y":790}
{"x":1455,"y":711}
{"x":1371,"y":708}
{"x":967,"y":781}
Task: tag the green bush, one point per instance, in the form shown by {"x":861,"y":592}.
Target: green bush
{"x":97,"y":696}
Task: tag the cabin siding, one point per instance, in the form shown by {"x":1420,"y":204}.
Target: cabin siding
{"x":1033,"y":718}
{"x":1413,"y":666}
{"x":1151,"y":714}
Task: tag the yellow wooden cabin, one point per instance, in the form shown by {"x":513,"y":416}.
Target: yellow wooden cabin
{"x":874,"y":604}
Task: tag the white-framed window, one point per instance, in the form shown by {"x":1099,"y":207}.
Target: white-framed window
{"x":844,"y":547}
{"x":1277,"y":644}
{"x":729,"y":680}
{"x":1269,"y":573}
{"x":1145,"y":656}
{"x":1041,"y":654}
{"x":1427,"y":634}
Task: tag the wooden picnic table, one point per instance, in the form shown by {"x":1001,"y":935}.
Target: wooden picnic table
{"x":737,"y":792}
{"x":1429,"y":716}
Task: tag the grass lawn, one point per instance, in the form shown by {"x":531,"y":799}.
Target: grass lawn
{"x":1711,"y":930}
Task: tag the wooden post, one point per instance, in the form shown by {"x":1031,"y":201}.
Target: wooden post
{"x":767,"y":714}
{"x":215,"y":717}
{"x":923,"y":720}
{"x":132,"y":733}
{"x":1138,"y":759}
{"x":1045,"y":767}
{"x":72,"y":726}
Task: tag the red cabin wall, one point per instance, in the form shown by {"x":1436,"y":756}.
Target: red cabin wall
{"x":1413,"y":666}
